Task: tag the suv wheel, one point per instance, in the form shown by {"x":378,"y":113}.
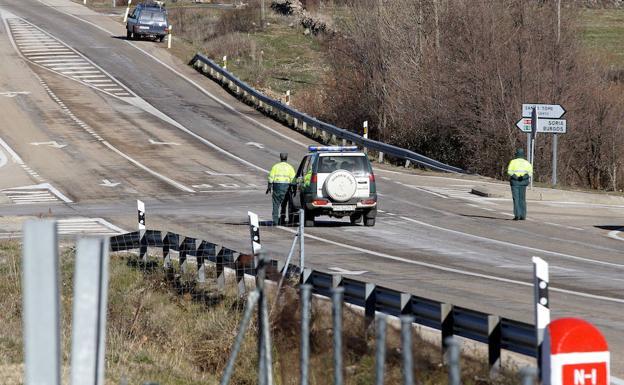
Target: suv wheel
{"x":355,"y":218}
{"x":129,"y":35}
{"x":369,"y":222}
{"x":309,"y":219}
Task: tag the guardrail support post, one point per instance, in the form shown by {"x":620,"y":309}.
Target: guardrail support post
{"x":306,"y":293}
{"x":170,"y":37}
{"x":305,"y":126}
{"x":494,"y":344}
{"x":296,"y":123}
{"x":406,"y":300}
{"x":344,"y":142}
{"x":370,"y":303}
{"x":381,"y":157}
{"x":336,"y":280}
{"x":333,"y":138}
{"x":305,"y":276}
{"x":446,"y":327}
{"x":337,"y":298}
{"x":407,"y":163}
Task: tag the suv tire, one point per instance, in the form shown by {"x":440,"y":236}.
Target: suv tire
{"x":309,"y":219}
{"x":129,"y":35}
{"x":355,"y":218}
{"x":369,"y":222}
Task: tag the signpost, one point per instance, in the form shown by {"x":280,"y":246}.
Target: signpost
{"x":544,"y":125}
{"x":544,"y":118}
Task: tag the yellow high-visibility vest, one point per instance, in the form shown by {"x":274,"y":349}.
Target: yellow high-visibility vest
{"x":282,"y":172}
{"x":519,"y":167}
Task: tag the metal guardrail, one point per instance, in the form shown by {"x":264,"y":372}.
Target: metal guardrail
{"x":308,"y":124}
{"x":497,"y":332}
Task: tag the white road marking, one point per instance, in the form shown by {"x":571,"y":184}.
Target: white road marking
{"x":342,"y":271}
{"x":453,"y":270}
{"x":53,"y":144}
{"x":152,"y":141}
{"x":220,"y":174}
{"x":255,"y":144}
{"x":509,"y":244}
{"x":3,"y":159}
{"x":108,"y":183}
{"x":16,"y":158}
{"x":201,"y":186}
{"x":615,"y":234}
{"x":12,"y":94}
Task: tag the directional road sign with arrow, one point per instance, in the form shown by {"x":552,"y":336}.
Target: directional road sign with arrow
{"x":550,"y":126}
{"x":545,"y":111}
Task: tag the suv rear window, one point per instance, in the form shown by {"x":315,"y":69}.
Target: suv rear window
{"x":330,"y":163}
{"x":152,"y":16}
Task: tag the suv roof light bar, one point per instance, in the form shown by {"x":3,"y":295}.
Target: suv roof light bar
{"x":332,"y":148}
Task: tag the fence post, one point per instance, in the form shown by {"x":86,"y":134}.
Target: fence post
{"x":252,"y":299}
{"x":380,"y":351}
{"x":306,"y":293}
{"x":262,"y":363}
{"x":337,"y":297}
{"x":302,"y":239}
{"x":406,"y":347}
{"x":219,"y":260}
{"x":89,"y":311}
{"x":447,"y":327}
{"x":41,"y":310}
{"x":494,"y":344}
{"x":529,"y":375}
{"x":454,"y":371}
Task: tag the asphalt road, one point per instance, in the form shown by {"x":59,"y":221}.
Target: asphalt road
{"x":202,"y":168}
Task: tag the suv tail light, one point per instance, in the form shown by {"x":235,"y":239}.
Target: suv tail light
{"x":320,"y":202}
{"x":313,"y":178}
{"x":371,"y":177}
{"x":166,"y":29}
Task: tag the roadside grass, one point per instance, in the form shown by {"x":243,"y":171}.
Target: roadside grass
{"x":602,"y":31}
{"x":162,"y":331}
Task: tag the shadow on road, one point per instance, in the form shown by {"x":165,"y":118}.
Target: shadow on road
{"x":610,"y":227}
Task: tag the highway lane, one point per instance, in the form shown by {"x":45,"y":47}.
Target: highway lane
{"x":417,"y":241}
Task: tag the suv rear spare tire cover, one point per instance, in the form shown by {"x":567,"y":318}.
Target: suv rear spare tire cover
{"x":340,"y":185}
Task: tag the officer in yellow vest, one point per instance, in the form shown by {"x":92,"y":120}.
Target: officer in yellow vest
{"x":281,"y":176}
{"x":520,"y":171}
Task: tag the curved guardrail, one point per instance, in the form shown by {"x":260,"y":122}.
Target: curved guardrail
{"x":497,"y":332}
{"x":208,"y":66}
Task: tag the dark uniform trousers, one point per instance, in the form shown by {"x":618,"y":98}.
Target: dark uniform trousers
{"x":279,"y":203}
{"x":518,"y":193}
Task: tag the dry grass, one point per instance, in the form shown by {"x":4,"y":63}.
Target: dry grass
{"x":163,"y":330}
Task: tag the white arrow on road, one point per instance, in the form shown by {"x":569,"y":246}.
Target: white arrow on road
{"x":342,"y":271}
{"x":152,"y":141}
{"x":53,"y":144}
{"x":12,"y":94}
{"x":108,"y":183}
{"x":201,"y":186}
{"x":255,"y":144}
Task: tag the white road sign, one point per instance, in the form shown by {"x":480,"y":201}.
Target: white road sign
{"x":549,"y":126}
{"x":547,"y":111}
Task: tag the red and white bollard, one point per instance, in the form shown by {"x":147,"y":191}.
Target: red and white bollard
{"x":574,"y":352}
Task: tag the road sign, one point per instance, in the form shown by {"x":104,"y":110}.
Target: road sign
{"x":547,"y":111}
{"x":574,"y":352}
{"x":549,"y":126}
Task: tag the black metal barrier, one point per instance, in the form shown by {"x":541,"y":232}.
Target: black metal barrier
{"x":208,"y":66}
{"x":497,"y":332}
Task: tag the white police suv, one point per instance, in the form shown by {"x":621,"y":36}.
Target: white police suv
{"x":337,"y":181}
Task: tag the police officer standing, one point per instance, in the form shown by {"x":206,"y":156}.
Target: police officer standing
{"x":281,"y":176}
{"x":520,"y":171}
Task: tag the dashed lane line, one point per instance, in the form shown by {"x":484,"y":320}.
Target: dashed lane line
{"x":453,"y":270}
